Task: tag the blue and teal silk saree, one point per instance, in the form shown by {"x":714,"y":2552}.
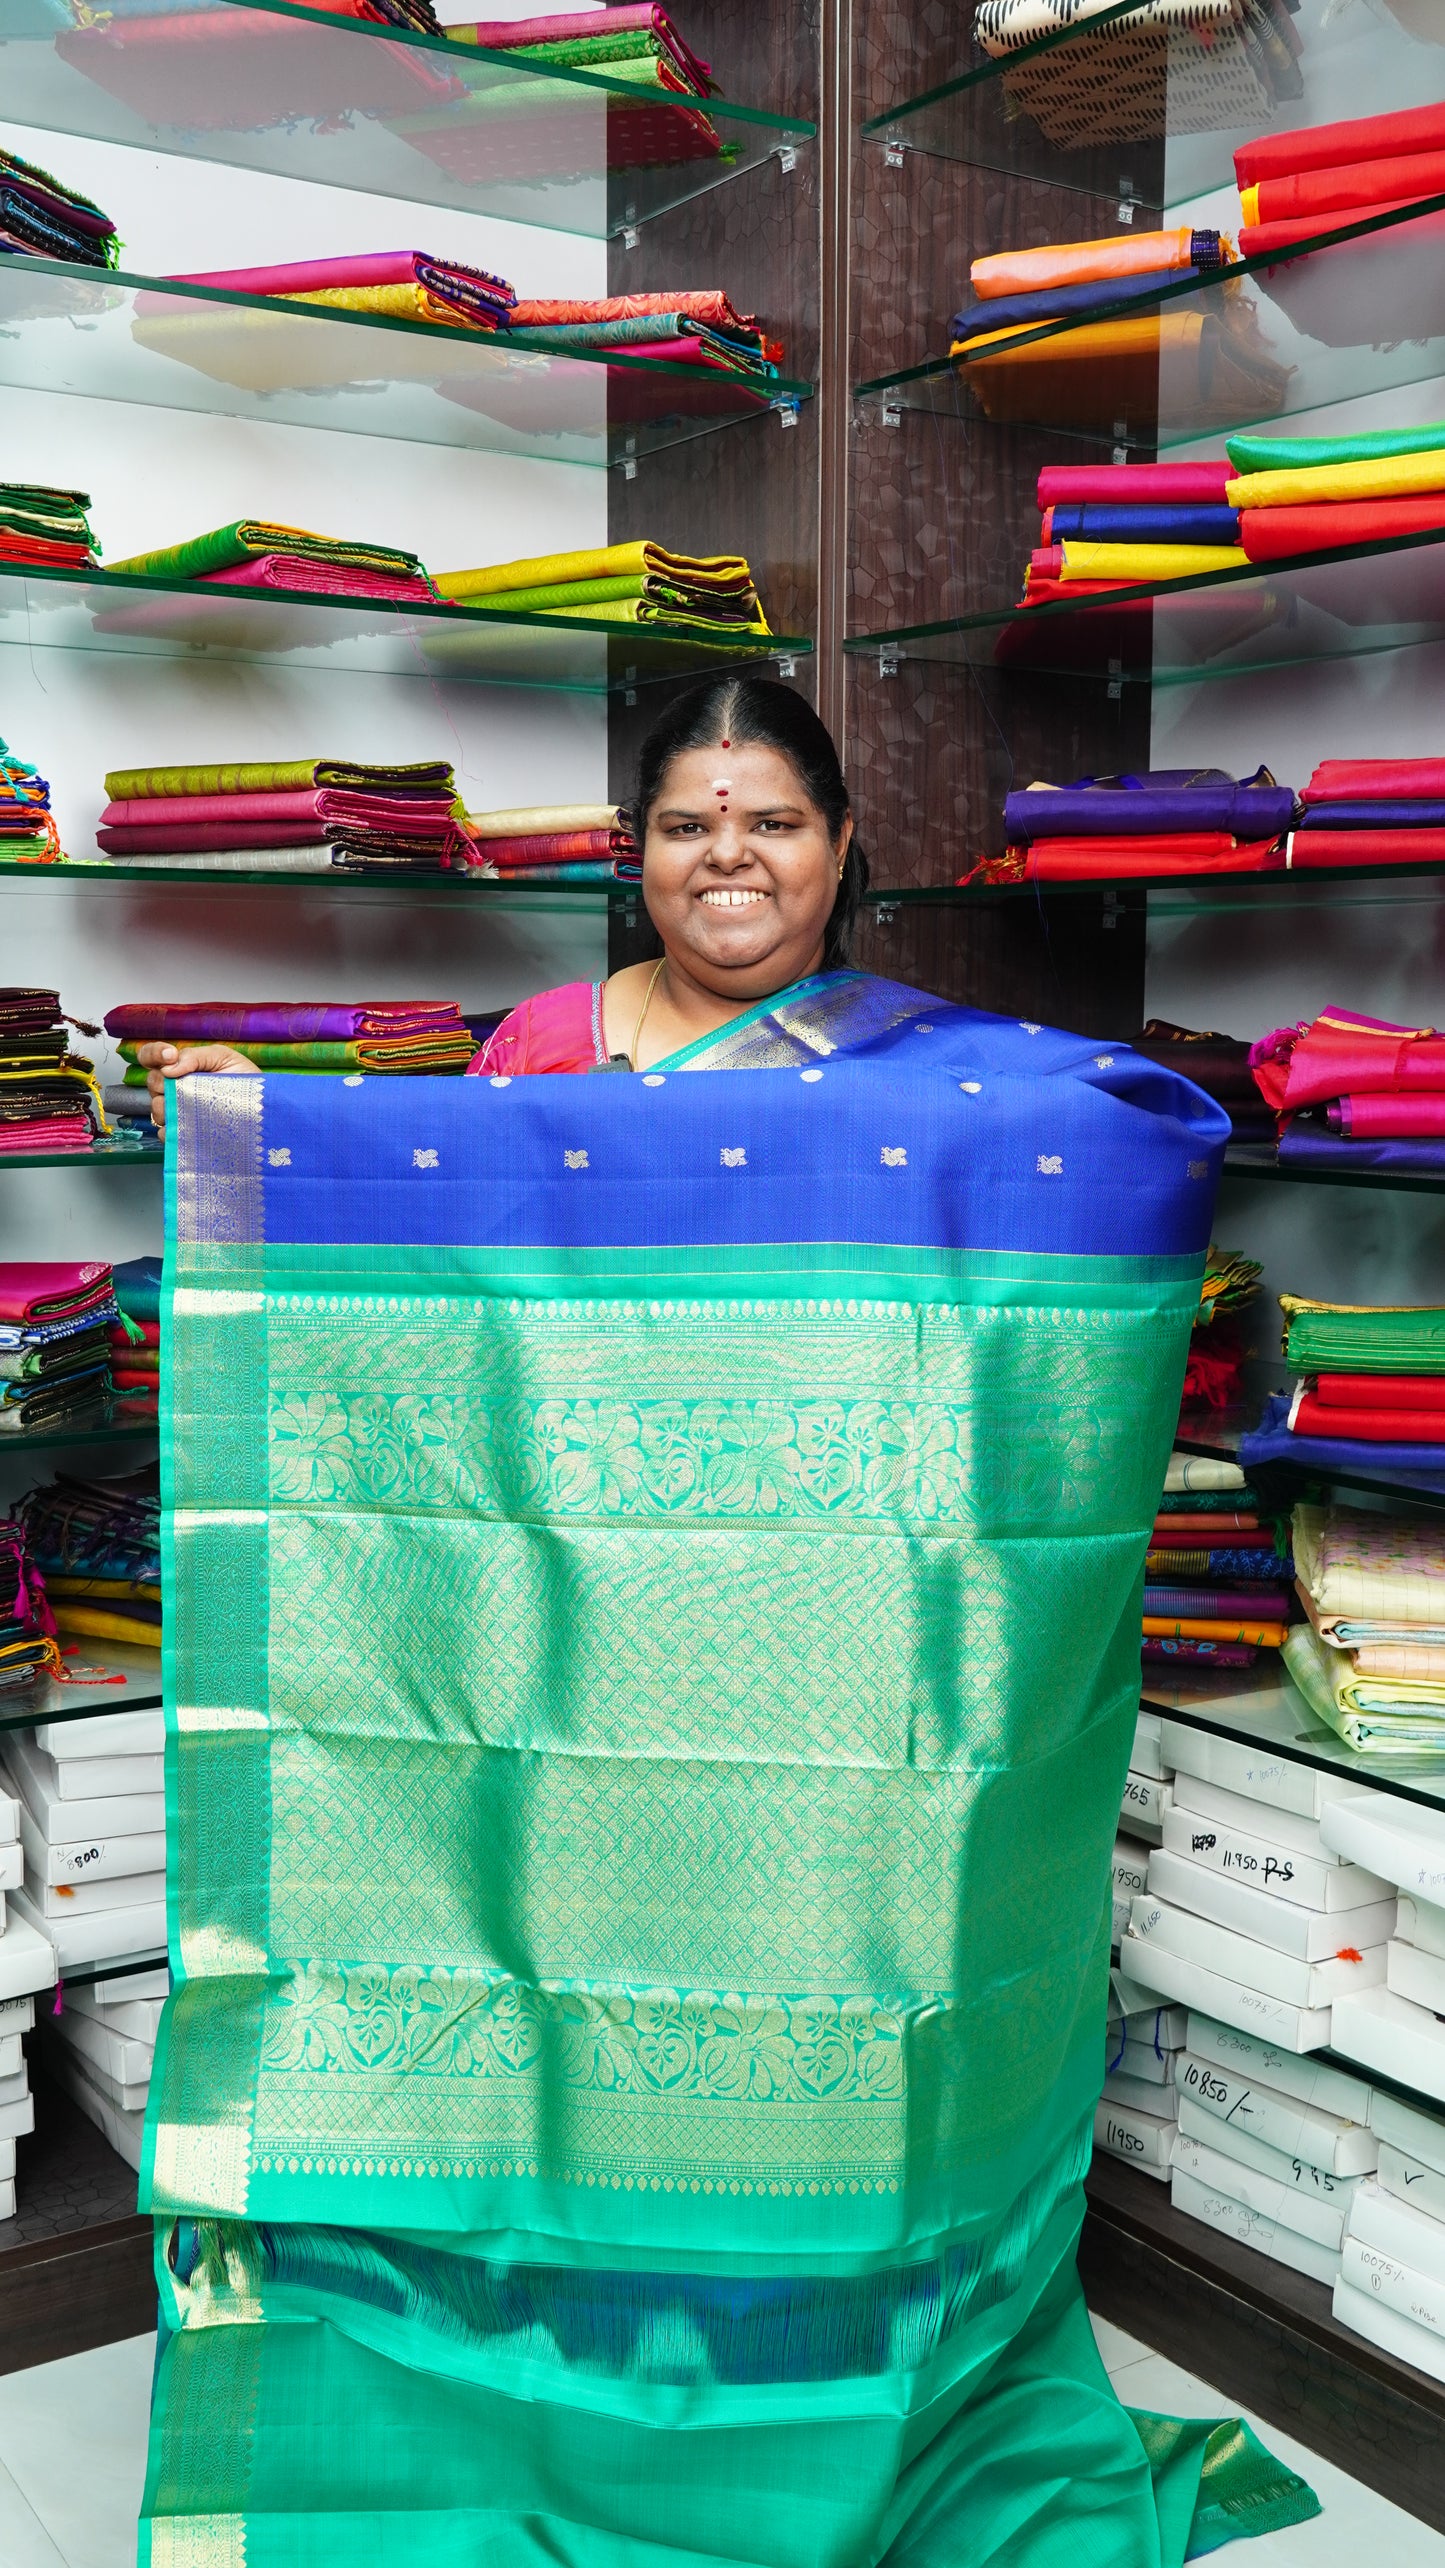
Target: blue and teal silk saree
{"x":653,"y":1606}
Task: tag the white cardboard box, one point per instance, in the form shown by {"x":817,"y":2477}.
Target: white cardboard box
{"x":1252,"y":2228}
{"x":1278,"y":1872}
{"x":94,"y":1898}
{"x":1403,"y":1841}
{"x":1410,"y":2294}
{"x":105,"y":1735}
{"x":1229,"y":2141}
{"x":1146,"y":1798}
{"x":1130,"y":1867}
{"x":12,"y":2055}
{"x":107,"y":1814}
{"x":9,"y":1811}
{"x":1421,"y":1924}
{"x":1401,"y":2229}
{"x":1311,"y":2215}
{"x":1409,"y":2181}
{"x":127,"y":2061}
{"x":1145,"y":1756}
{"x":125,"y":2097}
{"x":131,"y":1986}
{"x":1140,"y":2138}
{"x":1403,"y":2337}
{"x":140,"y":2017}
{"x":1299,"y":1834}
{"x":7,"y":2198}
{"x":78,"y":1861}
{"x":1251,"y":1965}
{"x":87,"y":1937}
{"x":123,"y":2130}
{"x":27,"y":1958}
{"x":1140,"y":2060}
{"x":16,"y":2119}
{"x":1319,"y":2082}
{"x":1386,"y":2033}
{"x":1306,"y":2131}
{"x":1255,"y":1773}
{"x":1139,"y":2095}
{"x":1308,"y":1934}
{"x":12,"y":1866}
{"x":1411,"y":2127}
{"x":1294,"y":2028}
{"x":1416,"y":1975}
{"x":17,"y":2014}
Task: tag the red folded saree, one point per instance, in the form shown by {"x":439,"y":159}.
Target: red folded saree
{"x":1237,"y":1527}
{"x":556,"y":311}
{"x":556,"y":847}
{"x":1318,"y":849}
{"x":1312,"y":1417}
{"x":1282,"y":534}
{"x":1379,"y":1390}
{"x":51,"y":1290}
{"x":1358,"y":138}
{"x":1063,"y":860}
{"x":1352,"y":183}
{"x":1136,"y":485}
{"x":1396,"y":1118}
{"x":1376,"y":780}
{"x":43,"y":553}
{"x":1272,"y":240}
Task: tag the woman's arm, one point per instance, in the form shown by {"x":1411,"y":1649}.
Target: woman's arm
{"x":162,"y":1061}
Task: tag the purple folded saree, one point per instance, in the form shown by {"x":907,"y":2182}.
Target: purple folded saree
{"x":278,"y":1020}
{"x":1167,"y":800}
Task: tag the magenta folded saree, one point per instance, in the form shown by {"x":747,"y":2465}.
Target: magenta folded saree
{"x":166,"y":838}
{"x":485,"y":300}
{"x":319,"y":808}
{"x":322,"y":579}
{"x":277,"y":1021}
{"x":47,"y":1133}
{"x":52,"y":1290}
{"x":1199,"y":485}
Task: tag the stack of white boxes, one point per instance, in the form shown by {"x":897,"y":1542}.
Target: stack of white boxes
{"x":1272,"y":2146}
{"x":92,"y":1826}
{"x":27,"y":1964}
{"x":1392,"y":2277}
{"x":1135,"y":2116}
{"x":1397,"y":2029}
{"x":100,"y":2049}
{"x":1251,"y":1916}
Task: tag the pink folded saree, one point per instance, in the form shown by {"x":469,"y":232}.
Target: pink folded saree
{"x":1136,"y":485}
{"x":325,"y":806}
{"x":560,"y":1030}
{"x":1391,"y":1118}
{"x":1343,"y":1055}
{"x":487,"y":299}
{"x":51,"y":1290}
{"x":322,"y":579}
{"x":1376,"y":780}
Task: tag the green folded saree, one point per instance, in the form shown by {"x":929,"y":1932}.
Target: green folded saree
{"x":1333,"y":1337}
{"x":250,"y":539}
{"x":1300,"y":454}
{"x":279,"y":776}
{"x":652,"y":1578}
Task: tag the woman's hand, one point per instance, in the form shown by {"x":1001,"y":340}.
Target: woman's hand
{"x":162,"y":1061}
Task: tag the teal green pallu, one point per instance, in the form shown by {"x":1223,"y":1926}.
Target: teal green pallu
{"x":652,"y":1603}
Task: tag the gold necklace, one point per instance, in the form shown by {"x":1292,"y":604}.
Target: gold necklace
{"x":642,"y":1012}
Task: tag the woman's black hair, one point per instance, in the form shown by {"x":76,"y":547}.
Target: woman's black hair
{"x":769,"y":716}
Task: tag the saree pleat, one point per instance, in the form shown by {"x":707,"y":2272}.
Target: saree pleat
{"x":645,"y":1559}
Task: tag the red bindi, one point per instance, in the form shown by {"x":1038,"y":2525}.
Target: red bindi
{"x":727,"y":744}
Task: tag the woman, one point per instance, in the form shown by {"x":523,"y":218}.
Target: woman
{"x":752,"y":877}
{"x":653,"y":1654}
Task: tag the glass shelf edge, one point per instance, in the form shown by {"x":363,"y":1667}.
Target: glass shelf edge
{"x":1373,"y":1773}
{"x":487,"y":893}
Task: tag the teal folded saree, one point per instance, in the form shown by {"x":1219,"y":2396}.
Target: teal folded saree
{"x":653,"y":1575}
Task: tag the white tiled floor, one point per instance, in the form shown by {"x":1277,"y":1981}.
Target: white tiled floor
{"x":72,"y":2459}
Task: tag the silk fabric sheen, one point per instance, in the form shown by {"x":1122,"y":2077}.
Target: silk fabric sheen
{"x":614,"y":2105}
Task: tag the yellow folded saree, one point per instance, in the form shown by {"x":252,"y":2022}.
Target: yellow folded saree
{"x":1084,"y":561}
{"x":637,"y":583}
{"x":720,"y":571}
{"x":1381,"y":477}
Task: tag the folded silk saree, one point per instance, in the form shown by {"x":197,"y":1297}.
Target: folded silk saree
{"x":612,"y":2104}
{"x":240,"y":546}
{"x":1381,"y":1716}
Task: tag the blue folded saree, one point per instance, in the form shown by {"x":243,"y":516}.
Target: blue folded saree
{"x":1102,"y":523}
{"x":653,"y":1572}
{"x":1414,"y":1466}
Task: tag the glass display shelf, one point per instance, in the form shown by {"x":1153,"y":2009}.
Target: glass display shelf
{"x":128,"y":1966}
{"x":1359,"y":309}
{"x":111,"y":1431}
{"x":338,"y":102}
{"x":119,"y":611}
{"x":1258,"y":1159}
{"x":1183,"y":895}
{"x":1267,"y":1710}
{"x":484,"y":893}
{"x":116,"y":1679}
{"x":1091,"y":108}
{"x":118,"y":1153}
{"x":247,"y":356}
{"x":1342,"y":605}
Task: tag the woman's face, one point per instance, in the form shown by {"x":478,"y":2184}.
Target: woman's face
{"x":739,"y":873}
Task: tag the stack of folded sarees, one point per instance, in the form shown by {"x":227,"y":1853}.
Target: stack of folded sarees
{"x":654,"y":84}
{"x":426,"y":1036}
{"x":44,"y":529}
{"x":638,"y":583}
{"x":263,"y":351}
{"x":49,"y":1100}
{"x":1214,"y":1374}
{"x":1175,"y":820}
{"x":1122,"y":526}
{"x":54,"y":1346}
{"x":135,"y":1340}
{"x":1217,"y":1063}
{"x":1355,"y":1092}
{"x":1323,"y":178}
{"x":28,"y":835}
{"x":1370,"y":1398}
{"x":1217,"y":1574}
{"x":1307,"y":495}
{"x":254,"y":553}
{"x":554,"y":842}
{"x":300,"y":816}
{"x":1028,"y":346}
{"x":28,"y":1649}
{"x":97,"y":1546}
{"x":1370,"y":1659}
{"x":40,"y":217}
{"x":1170,"y":66}
{"x":1371,"y":811}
